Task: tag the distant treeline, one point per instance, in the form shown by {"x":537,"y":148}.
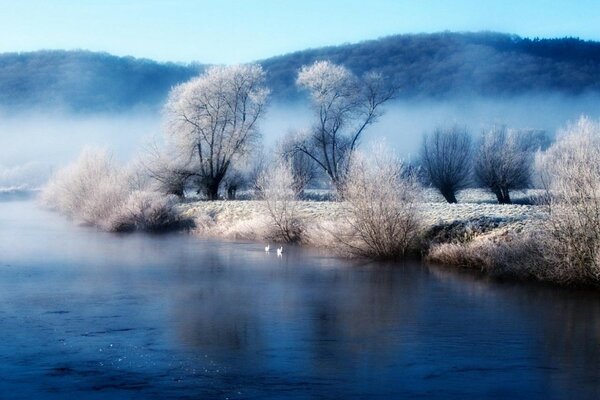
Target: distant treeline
{"x":436,"y":65}
{"x":86,"y":81}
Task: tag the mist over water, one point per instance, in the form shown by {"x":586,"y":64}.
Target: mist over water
{"x":32,"y":145}
{"x":35,"y":144}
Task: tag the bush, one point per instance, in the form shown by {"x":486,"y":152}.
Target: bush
{"x":97,"y":191}
{"x":381,"y":218}
{"x":276,"y":187}
{"x":148,"y":211}
{"x":570,"y":171}
{"x":506,"y":254}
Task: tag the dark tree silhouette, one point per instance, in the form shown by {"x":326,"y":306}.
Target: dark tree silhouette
{"x":446,"y":156}
{"x":504,"y":161}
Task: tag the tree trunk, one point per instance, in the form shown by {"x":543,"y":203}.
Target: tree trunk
{"x":231,"y":192}
{"x":506,"y":196}
{"x":211,"y":189}
{"x":502,"y":195}
{"x":449,"y":196}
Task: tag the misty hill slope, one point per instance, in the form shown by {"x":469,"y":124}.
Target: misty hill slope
{"x":424,"y":65}
{"x":86,"y":81}
{"x":449,"y":64}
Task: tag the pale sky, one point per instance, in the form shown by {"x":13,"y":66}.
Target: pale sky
{"x":231,"y":31}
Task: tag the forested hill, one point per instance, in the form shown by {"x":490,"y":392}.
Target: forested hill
{"x":424,"y":65}
{"x":86,"y":81}
{"x":448,"y":64}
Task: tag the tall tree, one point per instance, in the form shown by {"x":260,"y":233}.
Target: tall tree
{"x":212,"y":120}
{"x":344,"y":107}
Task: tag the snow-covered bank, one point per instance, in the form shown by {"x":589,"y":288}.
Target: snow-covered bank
{"x":497,"y":239}
{"x":247,"y":220}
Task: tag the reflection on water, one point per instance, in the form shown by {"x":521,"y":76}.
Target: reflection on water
{"x":97,"y":315}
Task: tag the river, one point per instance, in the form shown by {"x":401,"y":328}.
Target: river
{"x":86,"y":314}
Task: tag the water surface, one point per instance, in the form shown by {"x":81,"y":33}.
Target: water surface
{"x":88,"y":314}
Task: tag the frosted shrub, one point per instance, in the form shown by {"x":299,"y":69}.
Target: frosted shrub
{"x":570,"y":171}
{"x":379,"y":206}
{"x":90,"y":189}
{"x":95,"y":190}
{"x":277,"y":189}
{"x":148,"y":211}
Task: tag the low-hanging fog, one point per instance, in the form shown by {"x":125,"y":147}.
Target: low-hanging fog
{"x":405,"y":121}
{"x":34,"y":144}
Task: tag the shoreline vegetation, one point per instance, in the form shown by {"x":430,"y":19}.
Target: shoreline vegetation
{"x":504,"y":240}
{"x":379,"y":207}
{"x":474,"y":233}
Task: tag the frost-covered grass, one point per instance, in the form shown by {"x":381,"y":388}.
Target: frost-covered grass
{"x":526,"y":196}
{"x":244,"y":219}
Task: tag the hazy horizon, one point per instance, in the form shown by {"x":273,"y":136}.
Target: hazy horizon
{"x":31,"y":148}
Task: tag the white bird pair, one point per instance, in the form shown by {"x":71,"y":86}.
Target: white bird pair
{"x":279,"y":250}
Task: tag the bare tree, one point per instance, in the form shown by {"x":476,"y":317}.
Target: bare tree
{"x":446,"y":157}
{"x":212,"y":120}
{"x":503,"y":162}
{"x":344,"y":106}
{"x":235,"y":180}
{"x":303,"y":167}
{"x":168,"y":168}
{"x":255,"y":167}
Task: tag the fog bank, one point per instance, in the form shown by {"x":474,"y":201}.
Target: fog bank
{"x":34,"y":144}
{"x":404,"y":122}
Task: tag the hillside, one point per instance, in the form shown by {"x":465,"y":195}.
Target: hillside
{"x":86,"y":81}
{"x":424,"y":65}
{"x":450,"y":64}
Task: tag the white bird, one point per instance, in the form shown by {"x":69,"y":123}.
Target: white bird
{"x":280,"y":251}
{"x":267,"y":248}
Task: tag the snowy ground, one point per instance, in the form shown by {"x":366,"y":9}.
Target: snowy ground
{"x":245,"y":219}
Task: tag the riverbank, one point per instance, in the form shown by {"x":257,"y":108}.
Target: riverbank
{"x":474,"y":234}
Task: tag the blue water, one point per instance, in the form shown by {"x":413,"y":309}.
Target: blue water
{"x":85,"y":314}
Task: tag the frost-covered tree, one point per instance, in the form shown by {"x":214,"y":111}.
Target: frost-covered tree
{"x":303,"y":167}
{"x":446,"y":157}
{"x":212,"y":120}
{"x":344,"y":107}
{"x":504,"y":161}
